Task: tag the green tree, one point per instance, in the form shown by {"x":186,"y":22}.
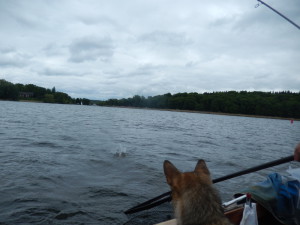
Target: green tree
{"x":8,"y":90}
{"x":49,"y":98}
{"x":62,"y":98}
{"x":86,"y":101}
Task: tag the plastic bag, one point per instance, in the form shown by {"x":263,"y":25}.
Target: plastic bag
{"x":249,"y":215}
{"x":294,"y":173}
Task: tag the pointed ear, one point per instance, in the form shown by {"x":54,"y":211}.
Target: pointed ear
{"x":201,"y":168}
{"x":170,"y":171}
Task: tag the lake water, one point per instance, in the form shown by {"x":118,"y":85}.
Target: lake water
{"x":63,"y":164}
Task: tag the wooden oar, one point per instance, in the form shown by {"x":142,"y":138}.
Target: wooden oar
{"x":166,"y":197}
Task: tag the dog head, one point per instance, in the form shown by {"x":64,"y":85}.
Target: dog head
{"x":181,"y":182}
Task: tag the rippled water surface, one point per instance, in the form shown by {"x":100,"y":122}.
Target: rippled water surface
{"x":71,"y":164}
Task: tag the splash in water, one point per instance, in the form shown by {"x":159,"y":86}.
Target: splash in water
{"x":121,"y":152}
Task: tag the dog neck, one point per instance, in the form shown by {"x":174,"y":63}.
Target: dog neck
{"x":200,"y":205}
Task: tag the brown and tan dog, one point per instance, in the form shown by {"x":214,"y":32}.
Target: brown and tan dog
{"x":195,"y":200}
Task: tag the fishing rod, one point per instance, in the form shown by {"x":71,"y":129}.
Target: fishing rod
{"x":166,"y":197}
{"x":280,"y":14}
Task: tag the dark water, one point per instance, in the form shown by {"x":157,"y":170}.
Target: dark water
{"x":69,"y":164}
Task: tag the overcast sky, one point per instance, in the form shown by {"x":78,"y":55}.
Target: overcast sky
{"x":116,"y":48}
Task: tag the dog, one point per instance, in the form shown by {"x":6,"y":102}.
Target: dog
{"x":195,"y":200}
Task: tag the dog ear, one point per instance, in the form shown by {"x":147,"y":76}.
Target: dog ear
{"x":170,"y":171}
{"x":201,"y":167}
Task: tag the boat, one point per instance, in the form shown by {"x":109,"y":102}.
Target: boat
{"x":235,"y":216}
{"x":233,"y":213}
{"x":276,"y":201}
{"x":264,"y":217}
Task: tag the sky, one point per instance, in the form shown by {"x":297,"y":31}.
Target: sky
{"x":117,"y":49}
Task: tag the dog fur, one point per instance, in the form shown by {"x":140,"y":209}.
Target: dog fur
{"x":195,"y":200}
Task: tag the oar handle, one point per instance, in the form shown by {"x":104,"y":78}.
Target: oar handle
{"x":166,"y":197}
{"x":255,"y":168}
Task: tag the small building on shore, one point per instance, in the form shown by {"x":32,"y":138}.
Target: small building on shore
{"x":25,"y":94}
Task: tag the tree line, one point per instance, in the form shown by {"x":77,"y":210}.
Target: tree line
{"x":16,"y":92}
{"x":278,"y":104}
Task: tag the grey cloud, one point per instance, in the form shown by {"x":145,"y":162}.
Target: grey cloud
{"x":26,"y":20}
{"x":91,"y":49}
{"x":224,"y":22}
{"x":95,"y":20}
{"x":147,"y":70}
{"x":59,"y":72}
{"x":165,"y":38}
{"x":30,"y":17}
{"x":9,"y":57}
{"x":53,"y":49}
{"x":142,"y":73}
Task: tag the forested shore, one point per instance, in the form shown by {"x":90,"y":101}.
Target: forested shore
{"x":284,"y":104}
{"x":31,"y":92}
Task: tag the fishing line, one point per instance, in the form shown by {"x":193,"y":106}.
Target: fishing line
{"x":280,"y":14}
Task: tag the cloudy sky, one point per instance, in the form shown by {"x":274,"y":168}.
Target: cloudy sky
{"x":115,"y":48}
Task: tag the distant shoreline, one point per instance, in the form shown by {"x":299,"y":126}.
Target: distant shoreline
{"x":187,"y":111}
{"x":205,"y":112}
{"x":34,"y":101}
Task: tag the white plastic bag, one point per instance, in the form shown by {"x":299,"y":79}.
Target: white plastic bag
{"x":249,"y":215}
{"x":294,"y":173}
